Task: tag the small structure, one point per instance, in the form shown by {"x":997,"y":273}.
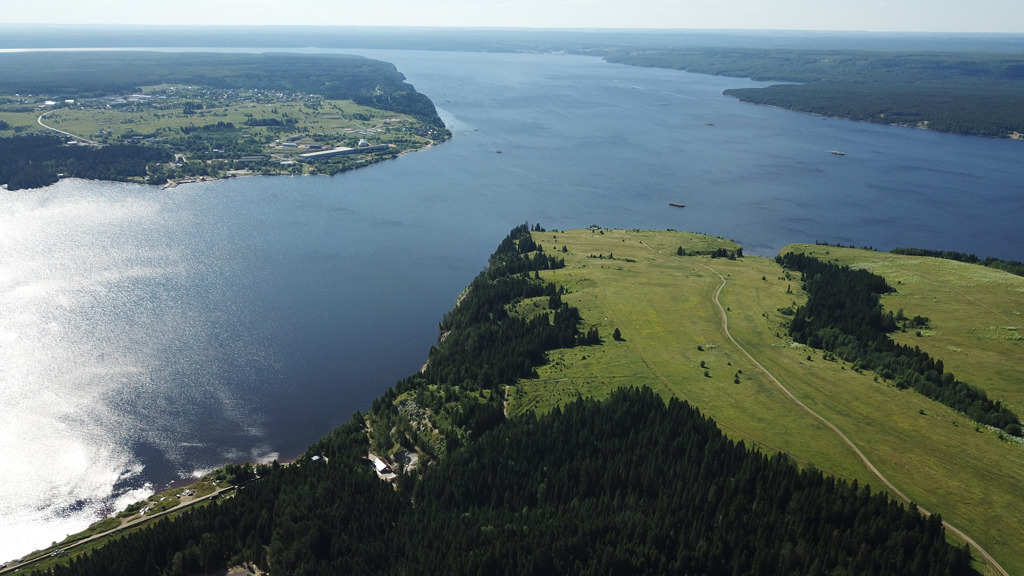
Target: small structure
{"x":384,"y":471}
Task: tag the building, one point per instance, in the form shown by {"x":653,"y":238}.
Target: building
{"x":344,"y":152}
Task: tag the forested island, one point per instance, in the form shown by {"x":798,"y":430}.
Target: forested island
{"x":964,"y":93}
{"x":165,"y":118}
{"x":629,"y":484}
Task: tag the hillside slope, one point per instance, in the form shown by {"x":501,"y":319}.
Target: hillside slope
{"x":662,"y":304}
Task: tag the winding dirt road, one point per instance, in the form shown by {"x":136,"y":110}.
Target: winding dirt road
{"x":725,"y":329}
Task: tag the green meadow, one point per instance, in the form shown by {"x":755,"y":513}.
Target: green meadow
{"x":672,"y":340}
{"x":331,"y":117}
{"x":976,"y":323}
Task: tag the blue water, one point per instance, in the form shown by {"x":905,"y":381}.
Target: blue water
{"x":147,"y":334}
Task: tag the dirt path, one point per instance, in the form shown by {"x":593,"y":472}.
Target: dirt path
{"x":40,"y":122}
{"x":831,"y":426}
{"x":725,"y":329}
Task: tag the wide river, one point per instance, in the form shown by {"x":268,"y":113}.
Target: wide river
{"x":147,"y":334}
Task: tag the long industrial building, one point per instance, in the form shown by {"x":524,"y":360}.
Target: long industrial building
{"x":344,"y":152}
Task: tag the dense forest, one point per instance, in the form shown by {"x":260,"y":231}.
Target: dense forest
{"x":625,"y":486}
{"x":35,"y":161}
{"x":843,"y":315}
{"x":72,"y":75}
{"x":629,"y":485}
{"x":1012,"y":266}
{"x":965,"y":93}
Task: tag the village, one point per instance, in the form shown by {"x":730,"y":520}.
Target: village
{"x":219,"y":132}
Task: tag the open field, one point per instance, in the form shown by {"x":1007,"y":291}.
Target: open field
{"x":663,"y":305}
{"x":977,"y":314}
{"x":332,"y":121}
{"x":165,"y":112}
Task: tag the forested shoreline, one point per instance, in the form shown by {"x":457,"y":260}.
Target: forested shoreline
{"x":629,"y":485}
{"x":34,"y":161}
{"x":965,"y":93}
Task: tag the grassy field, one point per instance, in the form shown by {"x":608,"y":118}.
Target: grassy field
{"x":673,"y":341}
{"x":335,"y":117}
{"x":977,"y":326}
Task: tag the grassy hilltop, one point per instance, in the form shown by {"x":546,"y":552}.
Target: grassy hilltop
{"x":975,"y":313}
{"x":672,"y":340}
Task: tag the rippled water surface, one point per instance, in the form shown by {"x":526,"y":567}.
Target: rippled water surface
{"x":147,"y":335}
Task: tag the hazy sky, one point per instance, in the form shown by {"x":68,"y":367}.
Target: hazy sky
{"x":870,"y":15}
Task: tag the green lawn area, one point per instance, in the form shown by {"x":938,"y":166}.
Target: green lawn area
{"x":662,"y":304}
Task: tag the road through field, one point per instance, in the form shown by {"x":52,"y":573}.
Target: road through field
{"x":856,"y":450}
{"x":69,"y":134}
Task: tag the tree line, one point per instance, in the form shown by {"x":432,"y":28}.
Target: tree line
{"x":1015,"y":267}
{"x":843,"y":315}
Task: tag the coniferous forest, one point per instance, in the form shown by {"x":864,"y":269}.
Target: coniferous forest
{"x":625,"y":486}
{"x":35,"y":161}
{"x":629,"y":485}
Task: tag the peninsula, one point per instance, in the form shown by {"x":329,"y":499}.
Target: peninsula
{"x":169,"y":118}
{"x":554,"y":430}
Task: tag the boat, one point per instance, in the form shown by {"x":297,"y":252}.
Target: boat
{"x":839,"y":153}
{"x":677,"y":204}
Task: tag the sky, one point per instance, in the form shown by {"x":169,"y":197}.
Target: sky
{"x":985,"y":16}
